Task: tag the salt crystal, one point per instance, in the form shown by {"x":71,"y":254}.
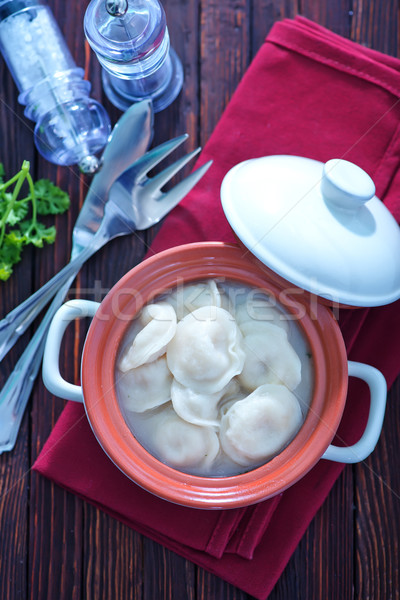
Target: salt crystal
{"x":25,"y":41}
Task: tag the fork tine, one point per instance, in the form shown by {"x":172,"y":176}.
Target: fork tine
{"x":157,"y":154}
{"x":158,"y":181}
{"x":170,"y":199}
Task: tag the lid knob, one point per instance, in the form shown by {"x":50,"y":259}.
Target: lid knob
{"x":345,"y":185}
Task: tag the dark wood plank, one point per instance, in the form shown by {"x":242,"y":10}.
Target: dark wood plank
{"x":182,"y":116}
{"x":375,"y":25}
{"x":56,"y":540}
{"x":14,"y":493}
{"x":377,"y":512}
{"x":264,"y":14}
{"x":14,"y":467}
{"x":113,"y":559}
{"x":210,"y":586}
{"x":55,"y":516}
{"x":167,"y":574}
{"x":224,"y":56}
{"x":335,"y":16}
{"x":377,"y":484}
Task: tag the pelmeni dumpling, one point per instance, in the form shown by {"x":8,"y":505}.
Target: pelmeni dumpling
{"x":195,"y":407}
{"x":270,"y":358}
{"x":183,"y":445}
{"x":147,"y":386}
{"x":259,"y":310}
{"x":249,"y":327}
{"x":152,"y":340}
{"x":261,"y":425}
{"x":199,"y":408}
{"x":206,"y":351}
{"x":188,"y":298}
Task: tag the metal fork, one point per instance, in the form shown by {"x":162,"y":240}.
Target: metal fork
{"x":135,"y":203}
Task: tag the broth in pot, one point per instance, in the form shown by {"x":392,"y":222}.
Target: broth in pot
{"x":214,"y":378}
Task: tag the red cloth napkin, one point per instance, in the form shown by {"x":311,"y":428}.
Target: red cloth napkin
{"x":311,"y":93}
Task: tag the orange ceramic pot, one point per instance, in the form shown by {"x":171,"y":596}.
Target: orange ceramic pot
{"x":113,"y":317}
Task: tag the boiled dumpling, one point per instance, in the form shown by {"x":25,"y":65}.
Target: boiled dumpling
{"x":206,"y":351}
{"x":195,"y":407}
{"x":147,"y":386}
{"x":260,"y":310}
{"x":152,"y":340}
{"x":259,"y":327}
{"x":188,"y":298}
{"x":183,"y":445}
{"x":261,"y":425}
{"x":229,"y":296}
{"x":270,"y":358}
{"x":199,"y":408}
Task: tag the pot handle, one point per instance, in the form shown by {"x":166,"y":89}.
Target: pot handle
{"x":54,"y":382}
{"x":365,"y":445}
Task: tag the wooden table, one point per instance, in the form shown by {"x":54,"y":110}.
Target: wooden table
{"x":53,"y":545}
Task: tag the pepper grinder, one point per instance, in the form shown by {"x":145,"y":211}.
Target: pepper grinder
{"x":131,"y":41}
{"x":70,"y":127}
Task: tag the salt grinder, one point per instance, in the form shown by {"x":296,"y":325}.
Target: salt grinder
{"x":70,"y":127}
{"x":131,"y":41}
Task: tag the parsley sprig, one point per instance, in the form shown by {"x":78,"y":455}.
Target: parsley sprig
{"x":19,"y":224}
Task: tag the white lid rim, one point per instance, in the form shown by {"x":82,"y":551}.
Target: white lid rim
{"x":333,"y":295}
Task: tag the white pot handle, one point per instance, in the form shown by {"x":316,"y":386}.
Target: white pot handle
{"x":71,"y":310}
{"x":365,"y":445}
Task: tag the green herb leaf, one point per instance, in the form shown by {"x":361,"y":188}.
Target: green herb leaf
{"x":18,"y":212}
{"x":5,"y":271}
{"x":37,"y":233}
{"x":5,"y":200}
{"x":18,"y":215}
{"x":50,"y":199}
{"x":12,"y":246}
{"x":10,"y":253}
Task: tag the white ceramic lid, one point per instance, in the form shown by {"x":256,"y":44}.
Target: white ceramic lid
{"x":318,"y":226}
